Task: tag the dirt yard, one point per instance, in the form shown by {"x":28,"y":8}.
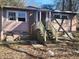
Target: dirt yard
{"x":19,"y":51}
{"x":60,"y":50}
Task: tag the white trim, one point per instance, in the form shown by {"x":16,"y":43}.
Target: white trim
{"x":36,"y":16}
{"x":50,"y":16}
{"x":25,"y":15}
{"x":47,"y":18}
{"x":16,"y":16}
{"x":8,"y":13}
{"x":40,"y":16}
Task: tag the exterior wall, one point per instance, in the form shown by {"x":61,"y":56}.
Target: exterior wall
{"x":15,"y":27}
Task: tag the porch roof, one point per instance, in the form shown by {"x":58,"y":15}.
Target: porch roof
{"x":38,"y":9}
{"x":69,"y":12}
{"x":25,"y":8}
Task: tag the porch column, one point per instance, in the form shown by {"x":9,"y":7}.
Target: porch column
{"x":40,"y":16}
{"x":2,"y":36}
{"x":36,"y":16}
{"x":50,"y":16}
{"x":47,"y":18}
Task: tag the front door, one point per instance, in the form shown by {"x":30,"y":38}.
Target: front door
{"x":31,"y":20}
{"x":43,"y":18}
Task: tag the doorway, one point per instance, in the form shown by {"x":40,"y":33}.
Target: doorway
{"x":43,"y":18}
{"x":31,"y":20}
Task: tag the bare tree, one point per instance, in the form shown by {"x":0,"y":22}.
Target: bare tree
{"x":18,"y":3}
{"x":47,"y":6}
{"x":70,"y":5}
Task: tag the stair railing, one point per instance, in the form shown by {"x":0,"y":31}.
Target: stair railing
{"x":42,"y":29}
{"x":53,"y":30}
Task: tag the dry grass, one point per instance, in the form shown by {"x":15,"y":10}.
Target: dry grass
{"x":19,"y":51}
{"x":15,"y":51}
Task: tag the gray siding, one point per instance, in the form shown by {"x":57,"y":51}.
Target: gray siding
{"x":14,"y":26}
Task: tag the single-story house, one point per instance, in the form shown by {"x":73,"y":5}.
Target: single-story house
{"x":19,"y":21}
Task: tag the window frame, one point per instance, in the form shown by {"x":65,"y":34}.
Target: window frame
{"x":24,"y":16}
{"x":64,"y":17}
{"x":8,"y":16}
{"x":61,"y":15}
{"x":17,"y":15}
{"x":55,"y":16}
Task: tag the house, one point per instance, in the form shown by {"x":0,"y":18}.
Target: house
{"x":17,"y":22}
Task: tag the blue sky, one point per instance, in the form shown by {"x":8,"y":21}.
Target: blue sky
{"x":38,"y":3}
